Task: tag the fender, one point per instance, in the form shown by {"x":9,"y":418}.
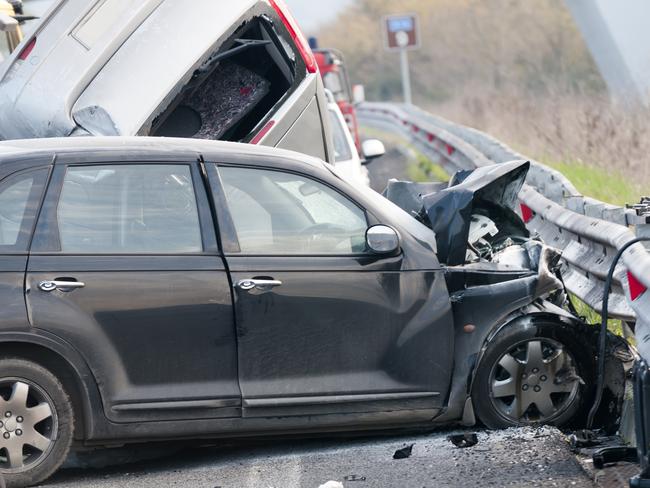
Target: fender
{"x":90,"y":401}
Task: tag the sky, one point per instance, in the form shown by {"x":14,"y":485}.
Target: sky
{"x":311,"y":13}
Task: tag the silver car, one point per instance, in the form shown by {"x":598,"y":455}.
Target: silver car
{"x":348,"y":162}
{"x":237,"y":71}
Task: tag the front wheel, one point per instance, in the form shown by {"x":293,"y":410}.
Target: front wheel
{"x":534,"y":372}
{"x":36,"y":422}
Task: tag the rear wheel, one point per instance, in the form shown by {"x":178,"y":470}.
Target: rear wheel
{"x":36,"y":422}
{"x":533,"y":372}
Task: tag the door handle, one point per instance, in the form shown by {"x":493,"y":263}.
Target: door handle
{"x":51,"y":285}
{"x":259,"y":284}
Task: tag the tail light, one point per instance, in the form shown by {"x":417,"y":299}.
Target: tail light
{"x":527,"y":213}
{"x":27,"y":50}
{"x":636,"y":287}
{"x":296,"y":34}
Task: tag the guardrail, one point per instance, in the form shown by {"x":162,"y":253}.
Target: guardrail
{"x":589,"y":232}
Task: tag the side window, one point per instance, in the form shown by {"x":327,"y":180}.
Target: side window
{"x":19,"y":199}
{"x":283,"y":213}
{"x":124,"y":209}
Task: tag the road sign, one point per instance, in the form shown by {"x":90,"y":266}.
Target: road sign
{"x":401,"y":32}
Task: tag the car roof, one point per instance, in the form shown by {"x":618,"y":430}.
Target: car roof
{"x":89,"y":149}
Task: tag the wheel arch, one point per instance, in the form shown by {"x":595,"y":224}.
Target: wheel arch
{"x":68,"y":366}
{"x":530,"y":315}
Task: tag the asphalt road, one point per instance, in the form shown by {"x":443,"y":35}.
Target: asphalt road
{"x":515,"y":457}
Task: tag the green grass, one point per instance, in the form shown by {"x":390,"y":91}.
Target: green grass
{"x":424,"y":170}
{"x":592,"y":317}
{"x":607,"y":186}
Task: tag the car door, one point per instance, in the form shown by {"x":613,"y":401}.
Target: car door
{"x":124,"y":266}
{"x":322,"y":325}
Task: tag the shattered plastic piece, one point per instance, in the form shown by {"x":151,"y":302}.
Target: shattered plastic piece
{"x":354,"y":477}
{"x":404,"y":452}
{"x":467,"y":439}
{"x":332,"y":484}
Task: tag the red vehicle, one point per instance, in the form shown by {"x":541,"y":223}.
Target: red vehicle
{"x":335,"y":78}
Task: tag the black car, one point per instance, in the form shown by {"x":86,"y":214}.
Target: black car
{"x":164,"y":288}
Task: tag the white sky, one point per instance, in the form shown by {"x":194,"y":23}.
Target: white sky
{"x":311,"y":13}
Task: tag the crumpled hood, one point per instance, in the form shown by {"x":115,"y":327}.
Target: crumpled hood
{"x":448,"y":211}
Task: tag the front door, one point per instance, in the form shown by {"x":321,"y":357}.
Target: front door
{"x":124,"y":266}
{"x":324,"y":326}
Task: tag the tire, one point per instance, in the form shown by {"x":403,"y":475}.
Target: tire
{"x":37,"y":423}
{"x":535,"y":371}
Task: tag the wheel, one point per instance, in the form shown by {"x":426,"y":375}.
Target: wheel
{"x":534,"y":372}
{"x":36,"y":422}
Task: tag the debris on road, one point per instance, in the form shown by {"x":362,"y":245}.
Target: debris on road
{"x":404,"y":452}
{"x":332,"y":484}
{"x":354,"y":477}
{"x":466,"y":439}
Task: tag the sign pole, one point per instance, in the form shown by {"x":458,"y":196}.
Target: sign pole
{"x":406,"y":75}
{"x":401,"y":34}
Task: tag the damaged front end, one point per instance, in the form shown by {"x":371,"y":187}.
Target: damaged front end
{"x":505,"y":285}
{"x":479,"y":236}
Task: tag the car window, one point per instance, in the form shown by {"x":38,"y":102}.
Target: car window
{"x":342,"y":150}
{"x":128,"y":209}
{"x":283,"y":213}
{"x":18,"y":200}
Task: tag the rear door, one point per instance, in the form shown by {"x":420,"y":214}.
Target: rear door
{"x":125,"y":267}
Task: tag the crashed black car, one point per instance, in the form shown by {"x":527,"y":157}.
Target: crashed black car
{"x":171,"y":288}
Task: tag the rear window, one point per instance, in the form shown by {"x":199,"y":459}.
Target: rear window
{"x":236,"y":88}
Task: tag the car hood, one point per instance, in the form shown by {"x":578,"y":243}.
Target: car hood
{"x":489,"y":190}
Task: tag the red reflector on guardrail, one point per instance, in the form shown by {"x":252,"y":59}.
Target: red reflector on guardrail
{"x":260,"y":135}
{"x":526,"y":213}
{"x":636,"y":287}
{"x":27,"y":50}
{"x":431,"y":137}
{"x":450,"y":149}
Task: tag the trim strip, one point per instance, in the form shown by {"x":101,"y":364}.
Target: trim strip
{"x":329,"y":399}
{"x":178,"y":405}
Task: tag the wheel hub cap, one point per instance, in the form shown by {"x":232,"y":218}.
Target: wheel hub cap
{"x":10,"y":425}
{"x":28,"y":425}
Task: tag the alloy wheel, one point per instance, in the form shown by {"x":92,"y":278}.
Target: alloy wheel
{"x":28,"y":425}
{"x":534,"y":382}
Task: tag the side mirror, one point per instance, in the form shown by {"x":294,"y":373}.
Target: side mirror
{"x":372,"y":149}
{"x":382,"y":239}
{"x":358,"y":94}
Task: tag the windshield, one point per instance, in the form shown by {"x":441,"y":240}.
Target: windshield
{"x":396,"y":214}
{"x":342,"y":151}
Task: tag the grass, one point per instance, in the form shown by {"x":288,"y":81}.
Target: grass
{"x":607,"y":186}
{"x":424,"y":170}
{"x":592,"y":317}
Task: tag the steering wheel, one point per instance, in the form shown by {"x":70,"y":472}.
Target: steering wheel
{"x":325,"y":231}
